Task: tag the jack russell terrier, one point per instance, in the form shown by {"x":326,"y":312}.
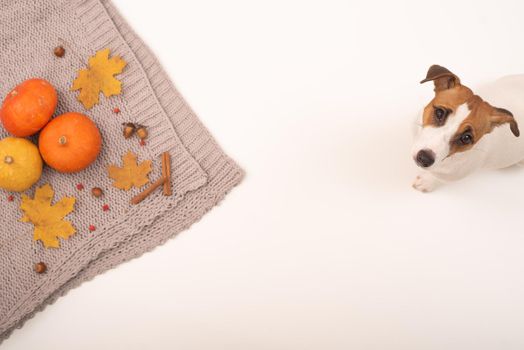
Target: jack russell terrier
{"x":460,"y":132}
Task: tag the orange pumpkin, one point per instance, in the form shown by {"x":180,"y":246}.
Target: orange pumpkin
{"x":70,"y":143}
{"x":28,"y":107}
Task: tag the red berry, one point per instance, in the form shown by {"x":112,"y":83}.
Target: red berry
{"x":116,"y":110}
{"x":10,"y":198}
{"x":80,"y":187}
{"x":92,"y":228}
{"x":105,"y":207}
{"x":142,"y":142}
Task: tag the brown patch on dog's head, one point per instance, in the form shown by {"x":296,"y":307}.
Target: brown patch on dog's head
{"x":449,"y":95}
{"x":482,"y":119}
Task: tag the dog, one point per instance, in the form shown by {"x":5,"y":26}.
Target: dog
{"x":459,"y":132}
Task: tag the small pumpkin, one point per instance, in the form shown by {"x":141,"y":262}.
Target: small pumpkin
{"x":70,"y":143}
{"x":28,"y":107}
{"x":20,"y":164}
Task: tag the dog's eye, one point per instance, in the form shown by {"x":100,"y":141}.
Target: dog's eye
{"x":440,"y":115}
{"x":466,"y":138}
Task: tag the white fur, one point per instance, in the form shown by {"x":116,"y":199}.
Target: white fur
{"x":498,"y":149}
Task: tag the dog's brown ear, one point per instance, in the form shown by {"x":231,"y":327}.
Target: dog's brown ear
{"x":502,"y":116}
{"x":442,"y":78}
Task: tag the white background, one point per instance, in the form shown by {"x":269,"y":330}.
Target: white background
{"x":325,"y":245}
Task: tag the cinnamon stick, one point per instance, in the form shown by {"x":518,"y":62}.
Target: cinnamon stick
{"x":166,"y":173}
{"x":143,"y":195}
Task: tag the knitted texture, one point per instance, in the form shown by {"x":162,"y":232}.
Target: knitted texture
{"x":202,"y":173}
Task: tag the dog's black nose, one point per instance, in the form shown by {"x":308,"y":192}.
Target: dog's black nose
{"x":425,"y":158}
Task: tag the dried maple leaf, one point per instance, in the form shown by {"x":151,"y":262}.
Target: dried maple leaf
{"x":131,"y":174}
{"x":99,"y":77}
{"x":48,"y":218}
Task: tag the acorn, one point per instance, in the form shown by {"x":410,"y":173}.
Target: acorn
{"x":97,"y":192}
{"x":141,"y":132}
{"x":40,"y":268}
{"x":59,"y":51}
{"x":129,"y":129}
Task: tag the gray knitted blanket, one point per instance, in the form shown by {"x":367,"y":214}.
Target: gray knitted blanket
{"x":201,"y":173}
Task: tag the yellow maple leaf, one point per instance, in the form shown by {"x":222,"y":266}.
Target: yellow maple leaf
{"x":131,"y":174}
{"x":47,"y":218}
{"x":99,"y":77}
